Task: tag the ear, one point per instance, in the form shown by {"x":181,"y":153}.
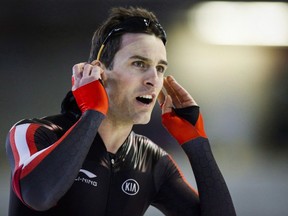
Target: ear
{"x":97,"y":62}
{"x":102,"y":66}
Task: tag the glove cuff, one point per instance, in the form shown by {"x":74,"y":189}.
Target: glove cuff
{"x":92,"y":96}
{"x":181,"y":129}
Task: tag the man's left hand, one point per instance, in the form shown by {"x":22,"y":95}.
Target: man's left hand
{"x":177,"y":97}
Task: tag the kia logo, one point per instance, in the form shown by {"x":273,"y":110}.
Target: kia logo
{"x":130,"y":187}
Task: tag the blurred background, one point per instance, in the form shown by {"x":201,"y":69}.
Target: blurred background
{"x":231,"y":56}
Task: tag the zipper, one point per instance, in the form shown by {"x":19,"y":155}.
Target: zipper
{"x":112,"y":165}
{"x":112,"y":162}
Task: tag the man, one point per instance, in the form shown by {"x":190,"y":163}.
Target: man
{"x":88,"y":161}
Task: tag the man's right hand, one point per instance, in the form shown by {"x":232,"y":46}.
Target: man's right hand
{"x":84,"y":73}
{"x":87,"y":89}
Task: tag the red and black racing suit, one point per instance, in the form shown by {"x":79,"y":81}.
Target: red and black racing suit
{"x":60,"y":166}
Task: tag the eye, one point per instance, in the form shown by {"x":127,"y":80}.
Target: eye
{"x":160,"y":68}
{"x":139,"y":64}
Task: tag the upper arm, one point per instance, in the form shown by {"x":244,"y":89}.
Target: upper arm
{"x":25,"y":140}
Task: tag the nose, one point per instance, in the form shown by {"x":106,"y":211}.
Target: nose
{"x":152,"y":78}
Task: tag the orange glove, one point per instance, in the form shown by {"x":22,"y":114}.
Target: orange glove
{"x":184,"y":124}
{"x":92,"y":96}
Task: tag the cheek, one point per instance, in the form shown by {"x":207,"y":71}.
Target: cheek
{"x":160,"y":84}
{"x":112,"y":81}
{"x":116,"y":89}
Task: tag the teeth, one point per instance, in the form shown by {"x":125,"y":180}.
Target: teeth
{"x":146,"y":96}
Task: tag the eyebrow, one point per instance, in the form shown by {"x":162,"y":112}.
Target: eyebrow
{"x":148,"y":60}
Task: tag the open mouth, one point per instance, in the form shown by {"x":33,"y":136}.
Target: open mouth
{"x":145,"y":99}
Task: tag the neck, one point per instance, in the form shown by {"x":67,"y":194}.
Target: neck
{"x":114,"y":134}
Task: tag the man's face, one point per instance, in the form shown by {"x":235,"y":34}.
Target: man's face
{"x":136,"y":78}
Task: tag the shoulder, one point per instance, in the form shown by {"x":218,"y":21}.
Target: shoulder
{"x":147,"y":145}
{"x":141,"y":153}
{"x":47,"y":120}
{"x":59,"y":123}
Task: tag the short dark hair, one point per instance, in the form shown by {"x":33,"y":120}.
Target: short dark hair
{"x":117,"y":17}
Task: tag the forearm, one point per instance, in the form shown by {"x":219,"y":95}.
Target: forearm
{"x":187,"y":127}
{"x":214,"y":195}
{"x":44,"y":177}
